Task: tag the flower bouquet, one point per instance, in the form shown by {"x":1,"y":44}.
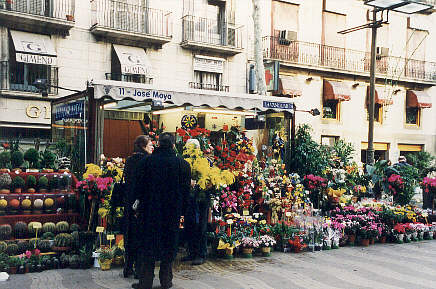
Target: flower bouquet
{"x":248,"y":244}
{"x":265,"y":243}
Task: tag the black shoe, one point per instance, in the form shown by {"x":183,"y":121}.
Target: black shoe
{"x":187,"y":258}
{"x":167,"y":286}
{"x":198,"y":261}
{"x":136,"y":286}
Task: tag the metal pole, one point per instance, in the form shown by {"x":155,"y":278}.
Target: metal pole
{"x":370,"y":150}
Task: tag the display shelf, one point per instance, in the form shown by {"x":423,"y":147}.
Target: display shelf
{"x":42,"y":218}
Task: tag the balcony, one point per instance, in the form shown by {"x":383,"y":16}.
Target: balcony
{"x":340,"y":60}
{"x":39,"y":16}
{"x":129,"y":24}
{"x":137,"y":78}
{"x":211,"y":35}
{"x":20,"y":77}
{"x":205,"y":86}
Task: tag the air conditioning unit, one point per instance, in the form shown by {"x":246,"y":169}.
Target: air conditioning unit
{"x":382,"y":52}
{"x":287,"y":36}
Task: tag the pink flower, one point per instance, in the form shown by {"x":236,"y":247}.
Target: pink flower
{"x":28,"y":254}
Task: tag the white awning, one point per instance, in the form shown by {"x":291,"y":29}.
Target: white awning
{"x":118,"y":90}
{"x":133,"y":60}
{"x":33,"y":48}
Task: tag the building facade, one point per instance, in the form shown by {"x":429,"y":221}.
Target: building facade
{"x":207,"y":45}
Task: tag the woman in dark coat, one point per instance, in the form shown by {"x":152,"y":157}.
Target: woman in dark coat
{"x":162,"y":196}
{"x":143,"y":147}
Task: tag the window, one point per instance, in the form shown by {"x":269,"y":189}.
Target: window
{"x":378,"y":113}
{"x":412,"y":115}
{"x":330,"y":109}
{"x":208,"y":80}
{"x":329,"y":140}
{"x":120,"y":68}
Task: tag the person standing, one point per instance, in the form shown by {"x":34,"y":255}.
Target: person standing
{"x":142,"y":147}
{"x":162,"y":197}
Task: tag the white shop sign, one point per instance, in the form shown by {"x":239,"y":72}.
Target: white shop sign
{"x":35,"y":58}
{"x":208,"y":64}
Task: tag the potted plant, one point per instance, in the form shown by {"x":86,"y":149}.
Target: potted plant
{"x":297,"y":244}
{"x":64,"y":182}
{"x":14,"y":263}
{"x":265,"y":243}
{"x":248,"y":245}
{"x":63,"y":242}
{"x":53,"y":184}
{"x":118,"y":254}
{"x":48,"y":159}
{"x":5,"y":183}
{"x":5,"y":161}
{"x":18,"y":184}
{"x":17,"y":160}
{"x":43,"y":184}
{"x":33,"y":157}
{"x":70,"y":17}
{"x":31,"y":184}
{"x":5,"y":232}
{"x":105,"y":259}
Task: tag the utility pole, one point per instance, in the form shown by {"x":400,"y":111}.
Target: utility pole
{"x":258,"y":56}
{"x":370,"y":149}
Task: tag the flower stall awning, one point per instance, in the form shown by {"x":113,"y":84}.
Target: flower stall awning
{"x":418,"y":98}
{"x":380,"y":97}
{"x":289,"y":86}
{"x":118,"y":90}
{"x":336,"y":90}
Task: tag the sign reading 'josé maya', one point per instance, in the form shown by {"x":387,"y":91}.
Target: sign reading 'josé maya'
{"x":193,"y":98}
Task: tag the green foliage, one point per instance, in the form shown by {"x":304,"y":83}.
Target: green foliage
{"x":308,"y":156}
{"x":31,"y":181}
{"x":65,"y":260}
{"x":410,"y":176}
{"x":48,"y":159}
{"x":376,"y":175}
{"x":18,"y":183}
{"x":63,"y":240}
{"x":12,"y":249}
{"x":62,"y":227}
{"x":5,"y":159}
{"x":74,"y":261}
{"x":49,"y":227}
{"x":20,"y":230}
{"x":32,"y":156}
{"x":423,"y":161}
{"x":43,"y":182}
{"x":48,"y":236}
{"x":3,"y":247}
{"x":105,"y":254}
{"x":17,"y":159}
{"x":23,"y":246}
{"x":5,"y":232}
{"x":53,"y":183}
{"x":64,"y":181}
{"x":43,"y":245}
{"x":74,"y":227}
{"x":14,"y":261}
{"x":343,"y":151}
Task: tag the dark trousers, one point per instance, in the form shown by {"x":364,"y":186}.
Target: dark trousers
{"x":196,"y":229}
{"x":146,"y":274}
{"x":130,"y":241}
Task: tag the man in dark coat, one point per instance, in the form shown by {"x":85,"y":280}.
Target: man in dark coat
{"x":162,"y":196}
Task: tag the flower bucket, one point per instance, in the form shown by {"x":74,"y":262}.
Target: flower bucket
{"x":351,"y":239}
{"x":229,"y":253}
{"x":382,"y":239}
{"x":266,"y":251}
{"x":400,"y":238}
{"x":372,"y":241}
{"x":421,"y":236}
{"x":408,"y":238}
{"x":105,"y":264}
{"x":364,"y":242}
{"x":247,"y":252}
{"x":327,"y":244}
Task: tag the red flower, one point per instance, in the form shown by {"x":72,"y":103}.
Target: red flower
{"x":5,"y":145}
{"x":181,"y":132}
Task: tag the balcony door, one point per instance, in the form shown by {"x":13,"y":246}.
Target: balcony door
{"x":129,"y":15}
{"x":34,"y":7}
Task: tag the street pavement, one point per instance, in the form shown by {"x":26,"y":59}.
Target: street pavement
{"x":386,"y":266}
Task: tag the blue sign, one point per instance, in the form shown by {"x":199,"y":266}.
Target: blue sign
{"x":72,"y":110}
{"x":278,"y":105}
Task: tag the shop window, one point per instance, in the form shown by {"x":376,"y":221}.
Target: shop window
{"x":329,"y":140}
{"x":413,"y":115}
{"x":330,"y":109}
{"x":23,"y":75}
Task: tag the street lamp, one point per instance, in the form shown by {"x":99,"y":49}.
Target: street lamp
{"x":313,"y":112}
{"x":42,"y":85}
{"x":402,"y":6}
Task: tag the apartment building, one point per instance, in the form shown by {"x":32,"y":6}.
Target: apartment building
{"x":321,"y":68}
{"x":202,"y":50}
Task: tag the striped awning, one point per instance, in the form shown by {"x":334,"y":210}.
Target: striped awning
{"x":418,"y":98}
{"x":380,"y":97}
{"x":336,"y":90}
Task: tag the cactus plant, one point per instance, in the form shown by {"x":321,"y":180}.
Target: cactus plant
{"x":76,"y":240}
{"x":32,"y":156}
{"x":31,"y":183}
{"x":18,"y":184}
{"x":12,"y":249}
{"x":43,"y":183}
{"x":20,"y":230}
{"x":3,"y":247}
{"x":48,"y":159}
{"x":17,"y":159}
{"x":53,"y":183}
{"x":63,"y":240}
{"x":48,"y":236}
{"x":5,"y":232}
{"x":74,"y":227}
{"x":5,"y":159}
{"x":65,"y":260}
{"x":5,"y":181}
{"x":43,"y":245}
{"x":23,"y":246}
{"x":74,"y":261}
{"x":31,"y":228}
{"x":49,"y":227}
{"x":62,"y":227}
{"x":64,"y":181}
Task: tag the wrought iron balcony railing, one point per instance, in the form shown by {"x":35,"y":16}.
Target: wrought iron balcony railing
{"x":21,"y":76}
{"x":206,"y":86}
{"x":126,"y":17}
{"x":129,"y":78}
{"x":346,"y":60}
{"x":211,"y":32}
{"x":58,"y":9}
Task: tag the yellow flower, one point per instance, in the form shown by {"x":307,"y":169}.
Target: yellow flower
{"x":92,"y":169}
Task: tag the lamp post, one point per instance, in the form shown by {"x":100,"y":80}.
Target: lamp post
{"x":379,"y":7}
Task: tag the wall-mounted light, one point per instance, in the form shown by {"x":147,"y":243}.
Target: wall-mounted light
{"x":397,"y":91}
{"x":355,"y":85}
{"x":310,"y":78}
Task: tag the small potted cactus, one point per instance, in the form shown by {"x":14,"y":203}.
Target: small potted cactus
{"x":5,"y":161}
{"x":17,"y":160}
{"x":5,"y":232}
{"x":3,"y":205}
{"x":43,"y":184}
{"x":5,"y":183}
{"x":31,"y":184}
{"x":26,"y":205}
{"x":18,"y":184}
{"x":53,"y":184}
{"x":32,"y":227}
{"x":62,"y":242}
{"x":64,"y":183}
{"x":14,"y":263}
{"x":62,"y":227}
{"x":12,"y":249}
{"x":20,"y":230}
{"x":33,"y":157}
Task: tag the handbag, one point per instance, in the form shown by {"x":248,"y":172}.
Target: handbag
{"x":119,"y":193}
